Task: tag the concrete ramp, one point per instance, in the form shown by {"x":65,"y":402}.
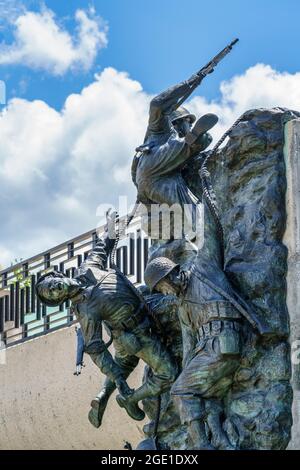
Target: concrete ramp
{"x":44,"y":406}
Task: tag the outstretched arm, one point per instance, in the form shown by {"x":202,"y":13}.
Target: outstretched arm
{"x":166,"y":102}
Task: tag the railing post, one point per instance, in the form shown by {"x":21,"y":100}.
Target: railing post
{"x":70,"y":250}
{"x":70,"y":315}
{"x":12,"y":302}
{"x":6,"y":307}
{"x":24,"y":330}
{"x":125,"y":259}
{"x":2,"y":314}
{"x":33,"y":295}
{"x":146,"y":248}
{"x":4,"y":280}
{"x":131,"y":253}
{"x":47,"y":260}
{"x":46,"y":323}
{"x":17,"y":305}
{"x":22,"y":306}
{"x":38,"y":302}
{"x":27,"y":299}
{"x":138,"y":256}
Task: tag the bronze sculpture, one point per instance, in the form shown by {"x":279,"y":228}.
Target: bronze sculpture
{"x":170,"y":142}
{"x":100,"y":296}
{"x":206,"y":342}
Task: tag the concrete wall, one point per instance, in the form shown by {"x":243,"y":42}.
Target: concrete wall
{"x":44,"y":406}
{"x":292,"y":241}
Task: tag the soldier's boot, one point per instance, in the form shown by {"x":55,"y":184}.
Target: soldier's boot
{"x":130,"y":402}
{"x":99,"y":404}
{"x":219,"y":437}
{"x":197,"y":434}
{"x":131,"y":406}
{"x":201,"y":126}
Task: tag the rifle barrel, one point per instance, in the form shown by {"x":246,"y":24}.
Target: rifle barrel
{"x":213,"y":63}
{"x":220,"y":55}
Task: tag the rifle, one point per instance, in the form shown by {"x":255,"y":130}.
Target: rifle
{"x":208,"y":68}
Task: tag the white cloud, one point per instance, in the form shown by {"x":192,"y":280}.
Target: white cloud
{"x":259,"y":86}
{"x":57,"y":167}
{"x":40,"y":42}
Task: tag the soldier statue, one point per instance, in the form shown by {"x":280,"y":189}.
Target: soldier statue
{"x":106,"y":297}
{"x":212,"y":315}
{"x":171,"y":140}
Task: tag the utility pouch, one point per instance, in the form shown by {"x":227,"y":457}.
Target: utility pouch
{"x":230,"y":342}
{"x":130,"y":343}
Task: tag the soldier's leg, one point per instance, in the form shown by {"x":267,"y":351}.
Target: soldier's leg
{"x":163,"y":368}
{"x":208,"y":375}
{"x":192,"y":412}
{"x":99,"y":403}
{"x":163,"y":373}
{"x":214,"y":412}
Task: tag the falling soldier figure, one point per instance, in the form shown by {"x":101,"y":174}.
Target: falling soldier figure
{"x":100,"y":296}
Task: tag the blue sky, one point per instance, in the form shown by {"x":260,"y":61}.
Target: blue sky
{"x":79,"y":76}
{"x":162,"y":41}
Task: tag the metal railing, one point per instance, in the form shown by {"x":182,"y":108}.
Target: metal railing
{"x":23,"y":317}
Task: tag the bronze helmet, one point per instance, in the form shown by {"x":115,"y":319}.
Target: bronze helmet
{"x":157,"y":269}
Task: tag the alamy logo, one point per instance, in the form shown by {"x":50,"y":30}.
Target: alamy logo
{"x":2,"y":92}
{"x":159,"y":221}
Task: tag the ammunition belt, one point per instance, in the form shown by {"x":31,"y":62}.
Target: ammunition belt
{"x":215,"y":327}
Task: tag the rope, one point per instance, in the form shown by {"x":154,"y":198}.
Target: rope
{"x":112,"y":256}
{"x":157,"y":417}
{"x":244,"y":309}
{"x":208,"y":191}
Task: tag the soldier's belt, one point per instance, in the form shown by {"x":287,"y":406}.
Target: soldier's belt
{"x":228,"y":334}
{"x":217,"y":310}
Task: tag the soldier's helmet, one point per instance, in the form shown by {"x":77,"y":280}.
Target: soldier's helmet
{"x":182,"y":113}
{"x":41,"y":289}
{"x":157,"y":269}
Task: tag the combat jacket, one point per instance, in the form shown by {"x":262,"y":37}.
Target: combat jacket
{"x":167,"y":153}
{"x":202,"y":304}
{"x":106,"y":297}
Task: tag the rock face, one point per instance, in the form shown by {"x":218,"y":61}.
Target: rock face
{"x":248,"y":178}
{"x":250,"y":184}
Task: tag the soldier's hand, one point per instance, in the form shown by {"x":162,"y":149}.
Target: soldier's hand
{"x":195,"y":79}
{"x":123,"y":387}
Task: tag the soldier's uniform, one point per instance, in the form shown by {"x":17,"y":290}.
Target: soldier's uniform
{"x":211,"y":321}
{"x":209,"y":368}
{"x":157,"y":170}
{"x":109,"y":298}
